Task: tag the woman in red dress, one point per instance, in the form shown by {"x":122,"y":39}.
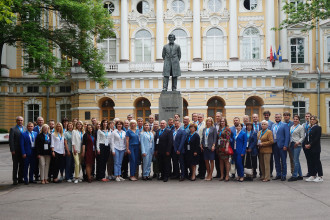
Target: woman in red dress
{"x":88,"y":150}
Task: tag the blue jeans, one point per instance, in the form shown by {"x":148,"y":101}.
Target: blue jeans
{"x":29,"y":162}
{"x":296,"y":153}
{"x":239,"y":164}
{"x":118,"y":159}
{"x":280,"y":161}
{"x":69,"y":166}
{"x":133,"y":158}
{"x":147,"y":162}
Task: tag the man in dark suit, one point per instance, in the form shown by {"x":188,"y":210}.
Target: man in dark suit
{"x":289,"y":123}
{"x":236,"y":122}
{"x":15,"y":149}
{"x":218,"y":117}
{"x":28,"y":139}
{"x":281,"y":135}
{"x":163,"y":149}
{"x":179,"y":137}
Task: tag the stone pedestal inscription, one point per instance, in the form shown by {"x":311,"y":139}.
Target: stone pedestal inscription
{"x":170,"y":103}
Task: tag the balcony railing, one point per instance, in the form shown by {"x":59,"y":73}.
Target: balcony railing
{"x":141,"y":66}
{"x":326,"y":67}
{"x":185,"y":65}
{"x":215,"y":65}
{"x":253,"y":64}
{"x":111,"y":67}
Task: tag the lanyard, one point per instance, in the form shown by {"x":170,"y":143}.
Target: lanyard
{"x":221,"y":131}
{"x":207,"y":132}
{"x":256,"y":127}
{"x":31,"y":137}
{"x":20,"y":128}
{"x":248,"y":133}
{"x":46,"y":137}
{"x":277,"y":126}
{"x":190,"y":136}
{"x":59,"y":136}
{"x":52,"y":131}
{"x":38,"y":127}
{"x":106,"y":134}
{"x":171,"y":127}
{"x":81,"y":136}
{"x":149,"y":135}
{"x":262,"y":134}
{"x":306,"y":127}
{"x":237,"y":135}
{"x":92,"y":139}
{"x":161,"y":132}
{"x":186,"y":127}
{"x":174,"y":133}
{"x":199,"y":125}
{"x":292,"y":130}
{"x":64,"y":130}
{"x":120,"y":134}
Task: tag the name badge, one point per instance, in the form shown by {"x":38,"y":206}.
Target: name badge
{"x":93,"y":147}
{"x":188,"y":147}
{"x":219,"y":141}
{"x":157,"y":142}
{"x":259,"y":141}
{"x":32,"y":144}
{"x":45,"y":146}
{"x":247,"y":144}
{"x":106,"y":143}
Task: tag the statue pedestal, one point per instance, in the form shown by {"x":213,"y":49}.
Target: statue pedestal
{"x":170,"y":103}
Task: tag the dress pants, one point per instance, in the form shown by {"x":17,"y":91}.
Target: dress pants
{"x":239,"y":164}
{"x":133,"y":158}
{"x":69,"y":166}
{"x":164,"y":162}
{"x":29,"y":166}
{"x":296,"y":153}
{"x":217,"y":165}
{"x":315,"y":164}
{"x":110,"y":165}
{"x":155,"y":165}
{"x":280,"y":161}
{"x":201,"y":165}
{"x":147,"y":162}
{"x":44,"y":162}
{"x":58,"y":163}
{"x":290,"y":152}
{"x":254,"y":164}
{"x":178,"y":160}
{"x":308,"y":159}
{"x":77,"y":165}
{"x":101,"y":165}
{"x":124,"y":166}
{"x":265,"y":165}
{"x":118,"y":159}
{"x":18,"y":166}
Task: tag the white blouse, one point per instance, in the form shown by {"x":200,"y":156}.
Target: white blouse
{"x":77,"y":137}
{"x":103,"y":137}
{"x":57,"y":143}
{"x":118,"y":140}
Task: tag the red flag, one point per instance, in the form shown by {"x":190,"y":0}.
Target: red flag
{"x":271,"y":54}
{"x":79,"y":63}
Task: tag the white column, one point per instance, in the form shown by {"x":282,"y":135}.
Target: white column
{"x":233,"y":37}
{"x":283,"y":34}
{"x":4,"y":55}
{"x":196,"y":31}
{"x":124,"y":47}
{"x":270,"y":23}
{"x":160,"y":29}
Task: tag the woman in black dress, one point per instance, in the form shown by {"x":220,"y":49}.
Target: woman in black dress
{"x":88,"y":150}
{"x":192,"y":150}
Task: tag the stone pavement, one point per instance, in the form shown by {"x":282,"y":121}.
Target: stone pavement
{"x":171,"y":200}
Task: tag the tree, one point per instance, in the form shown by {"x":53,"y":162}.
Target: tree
{"x":41,"y":27}
{"x":5,"y":12}
{"x":307,"y":14}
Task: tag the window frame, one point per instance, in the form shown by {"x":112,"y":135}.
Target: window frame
{"x":250,"y":38}
{"x":67,"y":111}
{"x":184,"y":48}
{"x":212,"y":10}
{"x":298,"y":85}
{"x":297,"y":110}
{"x":35,"y":112}
{"x":296,"y":45}
{"x":249,"y":9}
{"x":143,"y":43}
{"x":219,"y":38}
{"x":178,"y":6}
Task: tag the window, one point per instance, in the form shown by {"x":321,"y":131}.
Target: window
{"x":142,"y":46}
{"x":253,"y":106}
{"x":329,"y":84}
{"x":214,"y":5}
{"x":296,"y":85}
{"x":328,"y":50}
{"x":33,"y":89}
{"x":66,"y":60}
{"x":107,"y":110}
{"x":65,"y":89}
{"x":65,"y":111}
{"x":299,"y":108}
{"x":178,"y":6}
{"x":297,"y":50}
{"x":33,"y":112}
{"x":214,"y":44}
{"x":33,"y":63}
{"x":142,"y":109}
{"x":250,"y":4}
{"x":87,"y":115}
{"x":251,"y":44}
{"x":108,"y":46}
{"x":182,"y":40}
{"x":110,"y":6}
{"x":214,"y":105}
{"x":295,"y":3}
{"x":143,"y":7}
{"x":185,"y":108}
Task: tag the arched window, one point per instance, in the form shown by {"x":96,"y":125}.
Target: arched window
{"x":109,"y":48}
{"x":214,"y":44}
{"x":107,"y":110}
{"x":251,"y":44}
{"x":143,"y":46}
{"x":143,"y":7}
{"x":185,"y":108}
{"x":142,"y":109}
{"x":178,"y":6}
{"x":214,"y":5}
{"x":182,"y":39}
{"x":214,"y":105}
{"x":253,"y":106}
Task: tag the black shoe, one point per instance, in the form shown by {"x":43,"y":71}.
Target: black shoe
{"x":160,"y":178}
{"x":193,"y":179}
{"x":254,"y":176}
{"x":26,"y":183}
{"x":155,"y":175}
{"x":144,"y":178}
{"x":300,"y":178}
{"x":248,"y":179}
{"x":175,"y":177}
{"x":293,"y":179}
{"x":277,"y":178}
{"x":233,"y":176}
{"x":20,"y":181}
{"x":201,"y":177}
{"x":33,"y":181}
{"x":307,"y":175}
{"x":181,"y":179}
{"x":165,"y":179}
{"x":283,"y":178}
{"x":58,"y":181}
{"x":15,"y":182}
{"x":149,"y":178}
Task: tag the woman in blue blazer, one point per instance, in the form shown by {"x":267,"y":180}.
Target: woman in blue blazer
{"x":251,"y":150}
{"x":239,"y":145}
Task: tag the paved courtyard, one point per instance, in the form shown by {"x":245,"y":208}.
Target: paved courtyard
{"x":171,"y":200}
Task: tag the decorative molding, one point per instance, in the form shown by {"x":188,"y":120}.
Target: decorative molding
{"x":123,"y":108}
{"x":219,"y":94}
{"x":251,"y":18}
{"x":300,"y":97}
{"x":235,"y":107}
{"x":257,"y":9}
{"x":197,"y":107}
{"x":85,"y":108}
{"x":254,"y":93}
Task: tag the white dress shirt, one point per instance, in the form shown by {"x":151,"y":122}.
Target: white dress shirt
{"x":77,"y":137}
{"x":103,"y":137}
{"x":118,"y":140}
{"x":57,"y":143}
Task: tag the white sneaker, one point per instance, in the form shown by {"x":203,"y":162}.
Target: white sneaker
{"x":310,"y":179}
{"x":80,"y":180}
{"x":69,"y":180}
{"x":318,"y":179}
{"x":117,"y":179}
{"x":121,"y":178}
{"x":76,"y":181}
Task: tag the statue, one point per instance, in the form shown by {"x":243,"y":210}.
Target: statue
{"x":171,"y":55}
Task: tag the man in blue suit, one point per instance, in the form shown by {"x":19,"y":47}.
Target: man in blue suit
{"x":179,"y":137}
{"x":289,"y":123}
{"x":28,"y":139}
{"x":40,"y":123}
{"x":281,"y":135}
{"x":236,"y":121}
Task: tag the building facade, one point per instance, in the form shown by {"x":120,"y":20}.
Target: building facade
{"x":225,"y":65}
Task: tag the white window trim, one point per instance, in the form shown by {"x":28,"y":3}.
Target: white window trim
{"x":65,"y":100}
{"x":300,"y":98}
{"x":29,"y":102}
{"x":224,"y":42}
{"x":206,"y":6}
{"x":259,"y":7}
{"x":306,"y":49}
{"x":186,"y":6}
{"x":152,"y":44}
{"x":261,"y":36}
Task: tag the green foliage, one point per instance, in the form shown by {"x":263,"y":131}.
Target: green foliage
{"x":6,"y":14}
{"x":3,"y":131}
{"x":306,"y":14}
{"x":44,"y":27}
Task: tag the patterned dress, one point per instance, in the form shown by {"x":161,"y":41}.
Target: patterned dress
{"x":224,"y":138}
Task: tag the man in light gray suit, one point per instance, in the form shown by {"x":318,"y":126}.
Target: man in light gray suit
{"x":171,"y":55}
{"x":15,"y":149}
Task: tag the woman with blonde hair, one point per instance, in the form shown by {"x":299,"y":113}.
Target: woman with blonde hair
{"x":69,"y":162}
{"x":147,"y":150}
{"x":44,"y":152}
{"x":77,"y":137}
{"x":58,"y":153}
{"x":132,"y":148}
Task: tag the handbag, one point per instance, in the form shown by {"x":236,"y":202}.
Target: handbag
{"x":248,"y":171}
{"x":230,"y":150}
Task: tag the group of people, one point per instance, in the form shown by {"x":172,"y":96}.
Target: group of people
{"x":169,"y":149}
